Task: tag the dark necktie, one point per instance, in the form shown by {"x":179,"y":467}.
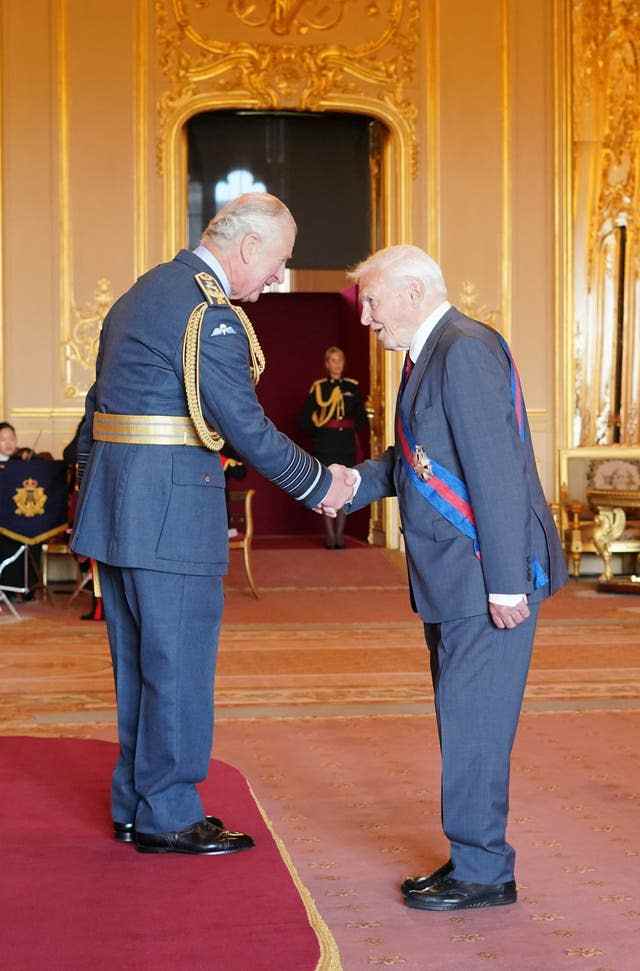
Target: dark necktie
{"x":407,"y":368}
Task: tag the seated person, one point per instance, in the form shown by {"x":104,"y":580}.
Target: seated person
{"x":8,"y":442}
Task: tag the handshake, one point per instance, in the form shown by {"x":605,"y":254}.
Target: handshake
{"x":344,"y":483}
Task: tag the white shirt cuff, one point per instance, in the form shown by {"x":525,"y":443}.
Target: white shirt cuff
{"x":507,"y":599}
{"x":356,"y":485}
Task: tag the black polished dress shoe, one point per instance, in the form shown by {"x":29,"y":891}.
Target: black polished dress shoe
{"x":201,"y":838}
{"x":411,"y":884}
{"x":125,"y":832}
{"x":449,"y":894}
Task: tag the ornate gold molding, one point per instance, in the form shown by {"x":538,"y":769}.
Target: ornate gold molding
{"x":606,"y":42}
{"x":605,"y":90}
{"x":285,"y":16}
{"x":469,"y":303}
{"x":81,"y":345}
{"x":305,"y":77}
{"x":563,"y":229}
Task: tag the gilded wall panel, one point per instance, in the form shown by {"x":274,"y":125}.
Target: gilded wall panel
{"x":606,"y":190}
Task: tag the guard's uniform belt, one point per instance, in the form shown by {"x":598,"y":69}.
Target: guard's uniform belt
{"x":145,"y":429}
{"x":340,"y":423}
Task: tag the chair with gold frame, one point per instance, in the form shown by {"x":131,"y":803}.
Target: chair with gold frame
{"x":240,"y":509}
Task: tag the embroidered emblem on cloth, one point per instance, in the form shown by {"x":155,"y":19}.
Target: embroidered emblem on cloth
{"x":30,"y":499}
{"x":221,"y":330}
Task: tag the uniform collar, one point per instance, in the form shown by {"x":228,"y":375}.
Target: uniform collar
{"x":423,"y":332}
{"x":207,"y":257}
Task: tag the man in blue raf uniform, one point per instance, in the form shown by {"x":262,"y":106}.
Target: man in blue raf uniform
{"x":175,"y":377}
{"x":482,"y":552}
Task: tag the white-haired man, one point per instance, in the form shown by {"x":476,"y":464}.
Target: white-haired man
{"x":482,"y":552}
{"x":152,"y":506}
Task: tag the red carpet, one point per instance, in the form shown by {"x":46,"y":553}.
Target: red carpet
{"x":74,"y":898}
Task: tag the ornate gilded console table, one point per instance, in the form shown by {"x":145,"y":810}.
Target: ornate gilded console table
{"x":612,"y":511}
{"x":606,"y":488}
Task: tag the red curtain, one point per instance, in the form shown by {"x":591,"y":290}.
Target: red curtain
{"x":294,"y":330}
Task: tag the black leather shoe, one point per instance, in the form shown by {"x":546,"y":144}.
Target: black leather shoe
{"x":411,"y":884}
{"x":202,"y":838}
{"x":450,"y":894}
{"x":124,"y":832}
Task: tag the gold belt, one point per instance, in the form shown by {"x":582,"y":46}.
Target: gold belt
{"x":145,"y":429}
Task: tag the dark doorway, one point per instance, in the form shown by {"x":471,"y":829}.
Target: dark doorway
{"x":321,"y":166}
{"x":317,"y":163}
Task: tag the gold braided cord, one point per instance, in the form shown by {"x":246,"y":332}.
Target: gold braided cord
{"x":191,"y":367}
{"x":210,"y":438}
{"x":258,"y":360}
{"x":332,"y":407}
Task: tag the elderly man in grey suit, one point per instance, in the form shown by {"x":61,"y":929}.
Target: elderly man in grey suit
{"x":482,"y":552}
{"x":175,"y":376}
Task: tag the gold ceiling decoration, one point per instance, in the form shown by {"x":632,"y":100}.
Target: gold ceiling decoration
{"x":292,"y":74}
{"x":81,"y":347}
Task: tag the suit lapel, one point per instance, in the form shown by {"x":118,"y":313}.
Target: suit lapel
{"x":422,"y":363}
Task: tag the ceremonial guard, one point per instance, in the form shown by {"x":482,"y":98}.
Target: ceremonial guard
{"x":333,"y":414}
{"x":175,"y":377}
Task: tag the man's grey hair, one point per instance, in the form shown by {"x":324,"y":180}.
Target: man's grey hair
{"x":253,"y":212}
{"x":401,"y":264}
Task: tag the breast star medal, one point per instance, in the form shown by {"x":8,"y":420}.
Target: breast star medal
{"x":422,"y":463}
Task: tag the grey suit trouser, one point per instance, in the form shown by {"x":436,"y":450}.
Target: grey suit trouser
{"x":479,"y":675}
{"x":163,"y":634}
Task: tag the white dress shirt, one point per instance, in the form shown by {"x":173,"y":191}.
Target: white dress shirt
{"x":423,"y":332}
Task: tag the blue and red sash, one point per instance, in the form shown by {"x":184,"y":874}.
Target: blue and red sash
{"x":446,"y":492}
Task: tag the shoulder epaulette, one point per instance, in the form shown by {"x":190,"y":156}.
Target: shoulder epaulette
{"x":316,"y":383}
{"x":213,"y":292}
{"x":353,"y":380}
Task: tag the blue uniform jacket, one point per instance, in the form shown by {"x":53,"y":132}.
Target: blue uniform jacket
{"x":458,"y":404}
{"x":161,"y":507}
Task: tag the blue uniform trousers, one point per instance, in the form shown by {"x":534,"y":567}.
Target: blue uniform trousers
{"x":479,"y":674}
{"x":163,"y":634}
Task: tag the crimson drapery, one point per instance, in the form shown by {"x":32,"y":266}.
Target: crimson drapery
{"x":295,"y":329}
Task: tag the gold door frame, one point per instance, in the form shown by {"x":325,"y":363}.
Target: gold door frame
{"x":395,"y":204}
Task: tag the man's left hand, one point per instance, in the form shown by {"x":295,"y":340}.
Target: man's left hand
{"x":506,"y":618}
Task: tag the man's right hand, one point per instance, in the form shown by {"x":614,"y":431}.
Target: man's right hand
{"x":506,"y":618}
{"x":342,"y":482}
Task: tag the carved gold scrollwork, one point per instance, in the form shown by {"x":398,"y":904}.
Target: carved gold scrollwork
{"x":469,"y":303}
{"x":606,"y":161}
{"x":288,"y":75}
{"x":284,"y":16}
{"x":609,"y":526}
{"x":81,"y":347}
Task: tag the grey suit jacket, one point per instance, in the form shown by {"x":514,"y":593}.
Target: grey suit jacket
{"x":162,"y":507}
{"x":458,"y":404}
